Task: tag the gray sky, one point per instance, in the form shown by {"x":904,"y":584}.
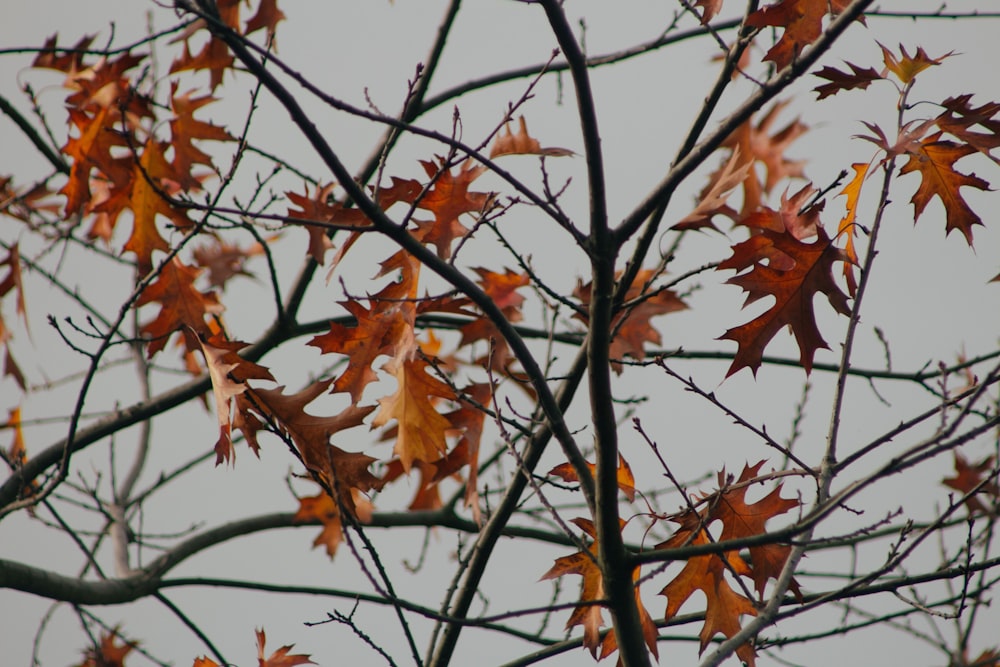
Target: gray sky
{"x":930,"y":296}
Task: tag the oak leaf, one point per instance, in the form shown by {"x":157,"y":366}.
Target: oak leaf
{"x":934,"y":159}
{"x":224,"y":260}
{"x":279,"y":658}
{"x":969,"y":477}
{"x":502,"y":290}
{"x":632,"y":323}
{"x":522,"y":143}
{"x":421,"y":428}
{"x":322,"y":508}
{"x":17,"y":453}
{"x":907,"y":67}
{"x":90,"y":150}
{"x":742,"y":520}
{"x":858,"y":78}
{"x":108,"y":653}
{"x":214,"y":56}
{"x":758,"y":145}
{"x":448,"y":199}
{"x":182,"y":306}
{"x":588,"y":613}
{"x":229,"y":373}
{"x":185,"y":129}
{"x":792,"y":272}
{"x":801,"y":21}
{"x":150,"y":177}
{"x":70,"y":62}
{"x":626,"y":480}
{"x":385,"y":327}
{"x":267,"y":17}
{"x":310,"y":435}
{"x":707,"y":573}
{"x":847,"y":229}
{"x":712,"y":199}
{"x":959,"y":118}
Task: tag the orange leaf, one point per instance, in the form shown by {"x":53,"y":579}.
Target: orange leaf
{"x":935,"y":160}
{"x":448,"y":199}
{"x":182,"y":306}
{"x":707,"y":573}
{"x":421,"y":428}
{"x":385,"y":328}
{"x":591,"y":588}
{"x":17,"y":453}
{"x":626,"y":481}
{"x":522,"y":143}
{"x":279,"y":658}
{"x":145,"y":199}
{"x":323,"y":509}
{"x":792,"y":272}
{"x":108,"y":653}
{"x":92,"y":149}
{"x":847,"y":229}
{"x":204,"y":662}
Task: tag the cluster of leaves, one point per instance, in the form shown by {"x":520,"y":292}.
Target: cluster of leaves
{"x":118,"y":162}
{"x":707,"y":573}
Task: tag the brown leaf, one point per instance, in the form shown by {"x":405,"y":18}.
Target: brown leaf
{"x":801,"y":21}
{"x":633,"y":325}
{"x":323,"y":509}
{"x":858,"y":78}
{"x":934,"y":159}
{"x":229,"y":373}
{"x":959,"y":119}
{"x":224,"y":261}
{"x":267,"y":17}
{"x":757,"y":145}
{"x":522,"y":143}
{"x":712,"y":200}
{"x":792,"y":272}
{"x":970,"y":476}
{"x":109,"y":653}
{"x":182,"y":306}
{"x":311,"y":434}
{"x":185,"y":129}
